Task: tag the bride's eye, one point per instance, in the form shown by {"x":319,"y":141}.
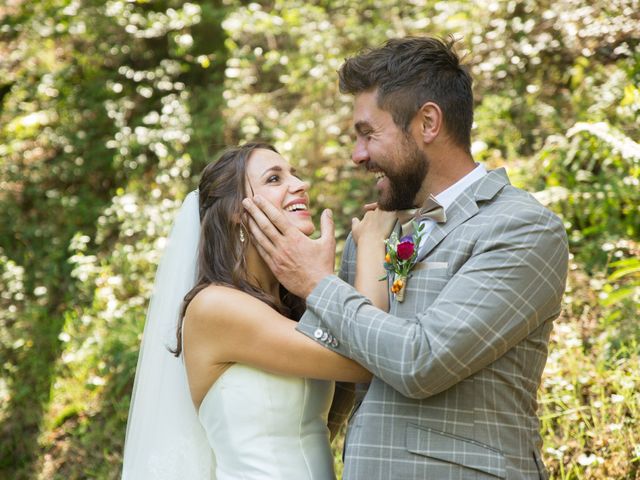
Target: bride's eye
{"x":273,"y":178}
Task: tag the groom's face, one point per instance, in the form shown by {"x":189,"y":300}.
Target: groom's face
{"x":389,"y":152}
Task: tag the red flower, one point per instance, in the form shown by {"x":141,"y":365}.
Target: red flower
{"x":405,"y":250}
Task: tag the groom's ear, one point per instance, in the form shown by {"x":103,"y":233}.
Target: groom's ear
{"x":429,"y":119}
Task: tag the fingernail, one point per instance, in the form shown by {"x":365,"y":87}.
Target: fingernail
{"x":329,"y":213}
{"x":257,"y":199}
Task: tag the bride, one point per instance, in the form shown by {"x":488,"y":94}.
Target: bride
{"x":249,"y":396}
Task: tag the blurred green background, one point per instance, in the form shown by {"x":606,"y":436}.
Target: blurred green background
{"x":109,"y":111}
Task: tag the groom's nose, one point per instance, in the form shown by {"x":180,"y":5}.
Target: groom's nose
{"x":360,"y":153}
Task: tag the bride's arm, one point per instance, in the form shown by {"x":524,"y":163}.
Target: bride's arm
{"x":228,"y":325}
{"x":369,"y":235}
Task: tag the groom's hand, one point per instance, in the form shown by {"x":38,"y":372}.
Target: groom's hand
{"x":298,"y":262}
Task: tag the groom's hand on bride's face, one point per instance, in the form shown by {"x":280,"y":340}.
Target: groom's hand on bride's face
{"x":297,"y":261}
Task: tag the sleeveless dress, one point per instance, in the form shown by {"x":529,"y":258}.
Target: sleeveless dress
{"x":266,"y":426}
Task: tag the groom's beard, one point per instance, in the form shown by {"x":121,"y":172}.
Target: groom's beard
{"x":405,"y":184}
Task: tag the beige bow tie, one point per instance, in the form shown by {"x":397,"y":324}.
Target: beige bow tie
{"x":430,"y":209}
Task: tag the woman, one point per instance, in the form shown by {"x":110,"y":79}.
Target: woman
{"x":260,"y":389}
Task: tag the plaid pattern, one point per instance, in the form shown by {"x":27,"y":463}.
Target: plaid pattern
{"x":457,"y":365}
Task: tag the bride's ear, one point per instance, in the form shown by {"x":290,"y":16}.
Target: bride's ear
{"x":240,"y":219}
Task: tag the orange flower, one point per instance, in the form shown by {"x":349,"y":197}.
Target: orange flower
{"x":387,"y":258}
{"x":397,"y":286}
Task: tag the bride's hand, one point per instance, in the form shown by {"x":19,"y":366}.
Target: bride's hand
{"x":369,"y":235}
{"x":376,"y":225}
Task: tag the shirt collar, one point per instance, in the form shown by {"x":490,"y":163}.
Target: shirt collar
{"x":448,"y":196}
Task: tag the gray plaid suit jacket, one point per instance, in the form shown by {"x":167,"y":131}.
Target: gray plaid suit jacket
{"x":458,"y":364}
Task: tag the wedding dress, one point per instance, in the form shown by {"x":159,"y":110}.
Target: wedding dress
{"x":266,"y":426}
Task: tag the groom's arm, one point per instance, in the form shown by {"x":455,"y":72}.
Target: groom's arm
{"x":497,"y":298}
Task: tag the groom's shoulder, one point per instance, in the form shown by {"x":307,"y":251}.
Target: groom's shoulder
{"x":518,"y":198}
{"x":513,"y":207}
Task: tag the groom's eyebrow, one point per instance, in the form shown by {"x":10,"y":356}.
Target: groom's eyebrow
{"x":362,"y":127}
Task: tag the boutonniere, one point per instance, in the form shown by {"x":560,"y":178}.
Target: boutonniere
{"x":401,"y":256}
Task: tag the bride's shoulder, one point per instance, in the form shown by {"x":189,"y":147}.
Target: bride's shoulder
{"x":215,"y":292}
{"x":219,"y":303}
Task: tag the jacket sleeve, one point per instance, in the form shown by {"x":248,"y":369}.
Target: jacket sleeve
{"x":511,"y":284}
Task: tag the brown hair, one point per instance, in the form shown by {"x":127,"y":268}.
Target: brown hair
{"x":221,"y":254}
{"x":408,"y":72}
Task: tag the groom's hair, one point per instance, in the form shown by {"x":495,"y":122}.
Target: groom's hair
{"x":407,"y":73}
{"x":221,"y":250}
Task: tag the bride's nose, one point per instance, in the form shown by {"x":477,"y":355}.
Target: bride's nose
{"x":298,"y":185}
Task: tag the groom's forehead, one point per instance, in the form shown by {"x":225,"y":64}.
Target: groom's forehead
{"x":368,"y":118}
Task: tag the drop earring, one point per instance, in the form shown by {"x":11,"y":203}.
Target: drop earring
{"x":241,"y":235}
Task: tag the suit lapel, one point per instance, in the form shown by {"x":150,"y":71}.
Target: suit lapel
{"x":465,"y":207}
{"x":460,"y":211}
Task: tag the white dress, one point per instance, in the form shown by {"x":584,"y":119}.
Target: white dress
{"x":266,"y":426}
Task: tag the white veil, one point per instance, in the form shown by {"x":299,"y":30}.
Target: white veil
{"x":164,"y":438}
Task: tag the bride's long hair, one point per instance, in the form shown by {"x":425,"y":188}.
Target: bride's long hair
{"x":221,"y":253}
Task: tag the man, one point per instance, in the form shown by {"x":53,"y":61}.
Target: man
{"x":458,"y":363}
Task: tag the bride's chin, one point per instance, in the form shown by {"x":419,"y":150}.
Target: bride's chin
{"x":307,"y":229}
{"x":304,"y":223}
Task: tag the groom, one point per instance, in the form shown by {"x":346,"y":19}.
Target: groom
{"x":458,"y":363}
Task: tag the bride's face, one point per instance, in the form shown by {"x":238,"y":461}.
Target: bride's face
{"x":270,"y":176}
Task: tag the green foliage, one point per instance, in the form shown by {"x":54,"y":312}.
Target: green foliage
{"x":96,"y":118}
{"x":593,"y":174}
{"x":589,"y":400}
{"x":109,"y":111}
{"x":589,"y":410}
{"x":620,"y":296}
